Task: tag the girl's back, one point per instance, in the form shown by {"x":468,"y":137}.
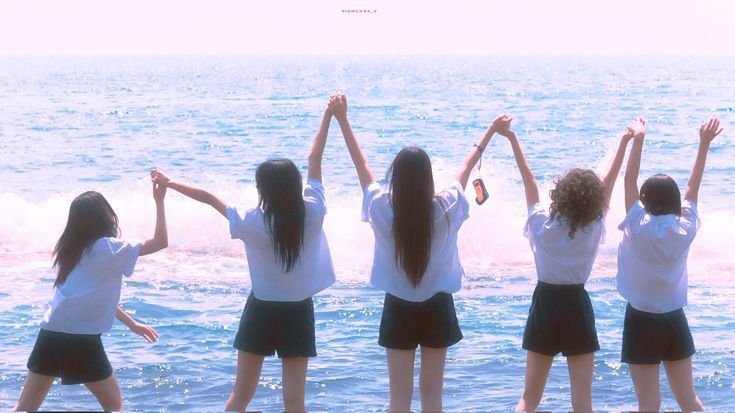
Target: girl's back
{"x":313,"y":271}
{"x":86,"y":302}
{"x":561,"y":259}
{"x":652,"y":259}
{"x":444,"y":271}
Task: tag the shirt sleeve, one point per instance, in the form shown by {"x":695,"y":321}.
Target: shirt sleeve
{"x":632,"y":216}
{"x":537,"y":216}
{"x":603,"y":228}
{"x":371,"y":192}
{"x":689,"y":220}
{"x":124,"y":255}
{"x":314,"y":196}
{"x":458,"y":208}
{"x":237,"y":223}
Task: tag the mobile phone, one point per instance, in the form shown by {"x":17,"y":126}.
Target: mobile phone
{"x":480,"y":190}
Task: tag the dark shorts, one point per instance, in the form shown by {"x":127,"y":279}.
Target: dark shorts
{"x":407,"y":324}
{"x":285,"y":327}
{"x":76,"y":358}
{"x":649,"y":338}
{"x":560,"y":320}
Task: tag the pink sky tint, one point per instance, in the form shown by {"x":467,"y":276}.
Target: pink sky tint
{"x":227,"y":27}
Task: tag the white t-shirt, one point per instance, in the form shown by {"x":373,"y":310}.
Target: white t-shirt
{"x":560,"y":259}
{"x":86,"y":303}
{"x":444,"y":272}
{"x":312,"y":273}
{"x":652,"y":258}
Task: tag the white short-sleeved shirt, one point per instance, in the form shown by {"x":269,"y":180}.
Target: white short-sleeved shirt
{"x":312,"y":273}
{"x":444,"y":272}
{"x":86,"y":303}
{"x":560,"y":259}
{"x":652,"y":258}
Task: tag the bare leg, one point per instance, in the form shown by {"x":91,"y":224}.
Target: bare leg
{"x":400,"y":376}
{"x":107,"y":392}
{"x":431,"y":378}
{"x":580,"y":379}
{"x":248,"y":374}
{"x":647,"y":387}
{"x":34,"y":391}
{"x":294,"y":383}
{"x":537,"y":371}
{"x":679,"y":374}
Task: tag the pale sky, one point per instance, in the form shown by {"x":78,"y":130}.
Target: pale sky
{"x":227,"y":27}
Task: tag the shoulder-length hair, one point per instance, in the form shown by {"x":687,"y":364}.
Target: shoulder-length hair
{"x":90,"y":218}
{"x":281,"y":199}
{"x":661,"y":196}
{"x":412,"y":195}
{"x":579,"y":197}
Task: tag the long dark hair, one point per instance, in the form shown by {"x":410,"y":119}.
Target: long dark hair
{"x":90,"y":218}
{"x":412,"y":195}
{"x":579,"y":197}
{"x":280,"y":197}
{"x":660,"y":195}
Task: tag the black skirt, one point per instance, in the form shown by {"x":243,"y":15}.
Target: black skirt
{"x":560,"y":320}
{"x":406,"y":324}
{"x":76,"y":358}
{"x":650,"y":338}
{"x":285,"y":327}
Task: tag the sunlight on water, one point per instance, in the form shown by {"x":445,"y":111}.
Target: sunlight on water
{"x":75,"y":124}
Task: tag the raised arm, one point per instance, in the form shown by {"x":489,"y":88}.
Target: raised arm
{"x":638,"y":129}
{"x":608,"y":182}
{"x":529,"y":180}
{"x":148,"y":333}
{"x":338,"y":107}
{"x":463,"y":175}
{"x":707,"y":133}
{"x":193,"y":192}
{"x":160,"y":235}
{"x":317,"y":148}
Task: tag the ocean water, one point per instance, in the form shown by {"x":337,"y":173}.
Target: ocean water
{"x":78,"y":123}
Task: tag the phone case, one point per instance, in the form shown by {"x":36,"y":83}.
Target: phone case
{"x":481,"y":191}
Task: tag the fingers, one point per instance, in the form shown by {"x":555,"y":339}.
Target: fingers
{"x":158,"y":177}
{"x":150,"y":334}
{"x":710,"y":129}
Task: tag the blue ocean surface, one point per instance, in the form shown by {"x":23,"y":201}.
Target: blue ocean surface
{"x":71,"y":124}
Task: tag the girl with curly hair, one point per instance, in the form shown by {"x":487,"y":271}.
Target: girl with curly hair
{"x":564,"y":242}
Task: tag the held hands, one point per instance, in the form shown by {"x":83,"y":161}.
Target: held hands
{"x":159,"y":189}
{"x":501,"y":125}
{"x":158,"y":177}
{"x":160,"y":183}
{"x":628,"y":135}
{"x":709,"y":130}
{"x":148,"y":333}
{"x":636,"y":129}
{"x":338,"y":105}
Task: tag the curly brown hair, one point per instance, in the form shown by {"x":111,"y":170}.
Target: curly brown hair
{"x":579,"y":198}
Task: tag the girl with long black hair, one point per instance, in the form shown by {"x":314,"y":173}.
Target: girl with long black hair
{"x":289,"y":262}
{"x":91,"y":261}
{"x":416,"y":261}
